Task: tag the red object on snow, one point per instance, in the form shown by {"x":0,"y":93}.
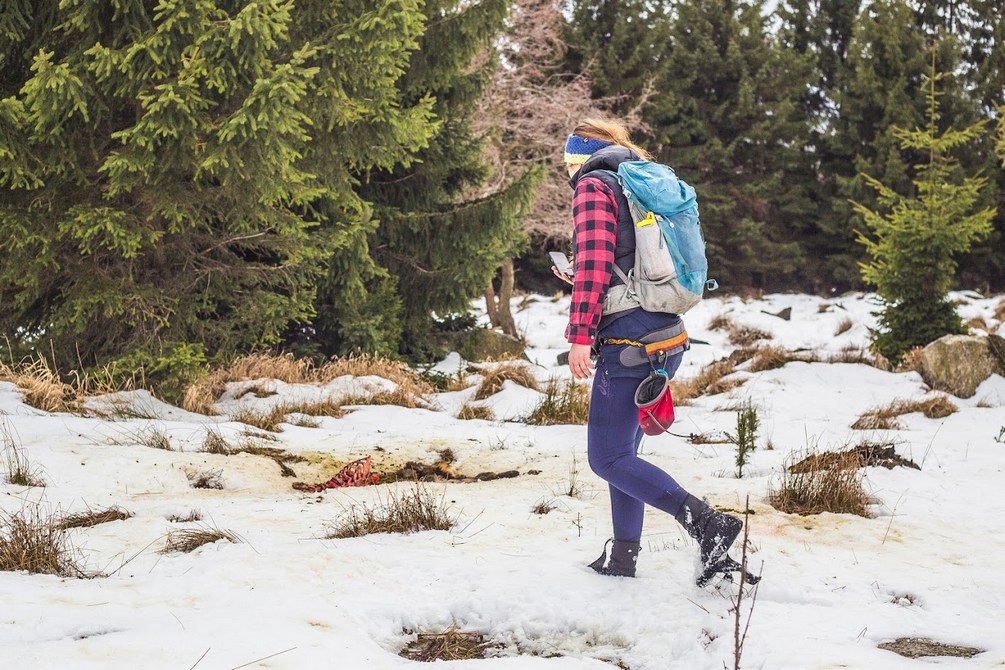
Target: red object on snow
{"x":356,"y":473}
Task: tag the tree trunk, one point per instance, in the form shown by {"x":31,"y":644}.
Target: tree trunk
{"x":504,"y":313}
{"x":498,"y":308}
{"x":490,"y":304}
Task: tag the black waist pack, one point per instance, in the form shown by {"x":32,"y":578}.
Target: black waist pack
{"x":654,"y":347}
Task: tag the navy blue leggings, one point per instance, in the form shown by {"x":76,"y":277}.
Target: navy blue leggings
{"x":613,"y":437}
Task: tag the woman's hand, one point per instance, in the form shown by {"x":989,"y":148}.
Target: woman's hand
{"x":580,"y":363}
{"x":561,"y":275}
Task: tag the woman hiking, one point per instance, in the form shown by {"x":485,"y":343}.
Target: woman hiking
{"x":605,"y":320}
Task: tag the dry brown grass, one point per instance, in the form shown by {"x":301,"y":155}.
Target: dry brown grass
{"x":187,"y":540}
{"x":1000,"y":310}
{"x":978,"y":323}
{"x":543,"y":507}
{"x":741,"y":336}
{"x":712,"y":379}
{"x":469,"y":411}
{"x":154,"y":437}
{"x":215,"y":443}
{"x":35,"y":543}
{"x":205,"y":479}
{"x":844,"y":326}
{"x":450,"y":645}
{"x":771,"y":357}
{"x":869,"y":454}
{"x":263,"y":419}
{"x":18,"y":468}
{"x":911,"y":361}
{"x":885,"y":418}
{"x":193,"y":515}
{"x":42,"y":387}
{"x":567,"y":403}
{"x":852,"y":355}
{"x":721,"y":322}
{"x":745,"y":336}
{"x":327,"y":407}
{"x":717,"y":437}
{"x":405,"y":511}
{"x":271,"y":418}
{"x":514,"y":371}
{"x":400,"y":396}
{"x":93,"y":518}
{"x":836,"y":487}
{"x":201,"y":396}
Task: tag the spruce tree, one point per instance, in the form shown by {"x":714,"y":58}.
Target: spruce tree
{"x":822,"y":30}
{"x":179,"y":174}
{"x":728,"y":115}
{"x":442,"y":236}
{"x":981,"y":34}
{"x":621,"y":46}
{"x":912,"y":239}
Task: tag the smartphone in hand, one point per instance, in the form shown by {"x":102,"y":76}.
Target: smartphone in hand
{"x":561,"y":263}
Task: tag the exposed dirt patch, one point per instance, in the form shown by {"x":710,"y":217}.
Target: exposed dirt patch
{"x":443,"y":471}
{"x":883,"y":455}
{"x":450,"y":645}
{"x":916,"y":647}
{"x":325,"y":466}
{"x":455,"y":645}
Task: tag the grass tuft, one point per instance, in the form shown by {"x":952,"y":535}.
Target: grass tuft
{"x":187,"y":540}
{"x":450,"y":645}
{"x":194,"y":515}
{"x":37,"y":544}
{"x":836,"y":487}
{"x":206,"y":479}
{"x":42,"y":387}
{"x":744,"y":336}
{"x":202,"y":395}
{"x":93,"y":518}
{"x":567,"y":403}
{"x":515,"y":371}
{"x":469,"y":411}
{"x":844,"y":326}
{"x":885,"y":418}
{"x":543,"y":507}
{"x":851,"y":354}
{"x":216,"y":444}
{"x":401,"y":396}
{"x":409,"y":511}
{"x":1000,"y":310}
{"x":19,"y":470}
{"x":773,"y":357}
{"x":712,"y":379}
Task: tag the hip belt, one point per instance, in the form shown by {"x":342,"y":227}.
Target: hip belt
{"x":654,"y":347}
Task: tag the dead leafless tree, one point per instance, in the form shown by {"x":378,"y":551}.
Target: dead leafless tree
{"x":527,"y":111}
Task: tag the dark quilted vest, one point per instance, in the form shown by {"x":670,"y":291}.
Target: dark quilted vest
{"x":604,"y":165}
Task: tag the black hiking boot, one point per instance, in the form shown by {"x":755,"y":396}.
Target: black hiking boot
{"x":714,"y":531}
{"x":624,"y":555}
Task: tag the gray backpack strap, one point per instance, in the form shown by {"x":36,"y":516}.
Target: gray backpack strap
{"x":622,"y":274}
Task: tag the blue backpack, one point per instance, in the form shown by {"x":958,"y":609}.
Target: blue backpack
{"x":671,"y":271}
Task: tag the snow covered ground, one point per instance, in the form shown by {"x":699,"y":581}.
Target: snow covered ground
{"x":929,"y":564}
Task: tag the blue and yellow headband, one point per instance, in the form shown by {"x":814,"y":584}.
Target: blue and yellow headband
{"x":578,"y":149}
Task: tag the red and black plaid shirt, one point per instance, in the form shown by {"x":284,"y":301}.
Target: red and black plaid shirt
{"x":595,"y":219}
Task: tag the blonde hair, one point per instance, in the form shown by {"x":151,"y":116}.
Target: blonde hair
{"x":609,"y":131}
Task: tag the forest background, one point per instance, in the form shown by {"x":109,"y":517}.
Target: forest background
{"x":186,"y":181}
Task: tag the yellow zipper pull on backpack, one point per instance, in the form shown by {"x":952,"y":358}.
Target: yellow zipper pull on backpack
{"x":650,"y":220}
